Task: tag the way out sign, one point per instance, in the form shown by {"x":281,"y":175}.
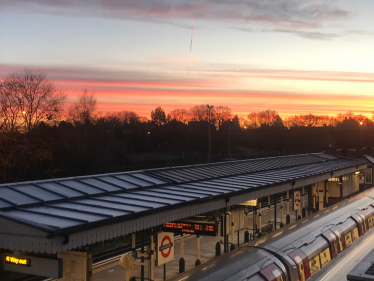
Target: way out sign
{"x":165,"y":247}
{"x":296,"y":200}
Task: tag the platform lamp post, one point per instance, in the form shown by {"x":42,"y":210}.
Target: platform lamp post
{"x":210,"y":141}
{"x":361,"y":136}
{"x":218,"y":242}
{"x":229,"y":139}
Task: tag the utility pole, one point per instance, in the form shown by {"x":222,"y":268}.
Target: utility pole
{"x":229,"y":139}
{"x":210,"y":141}
{"x":361,"y":137}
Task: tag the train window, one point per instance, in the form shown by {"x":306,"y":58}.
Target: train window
{"x":348,"y":239}
{"x":325,"y":257}
{"x":339,"y":233}
{"x":278,"y":274}
{"x":354,"y":234}
{"x":314,"y":265}
{"x":302,"y":262}
{"x":370,"y":221}
{"x":272,"y":273}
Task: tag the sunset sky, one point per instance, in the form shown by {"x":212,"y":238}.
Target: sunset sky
{"x":292,"y":56}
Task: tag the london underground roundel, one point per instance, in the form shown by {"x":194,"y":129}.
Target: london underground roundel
{"x":165,"y":247}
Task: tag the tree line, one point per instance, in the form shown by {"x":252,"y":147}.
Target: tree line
{"x":43,"y":137}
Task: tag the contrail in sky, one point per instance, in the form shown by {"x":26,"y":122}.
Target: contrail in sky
{"x":191,"y":37}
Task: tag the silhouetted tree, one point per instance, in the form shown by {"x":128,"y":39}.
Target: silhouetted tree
{"x":26,"y":99}
{"x":158,"y":116}
{"x":222,"y":114}
{"x":84,"y":108}
{"x":180,"y":115}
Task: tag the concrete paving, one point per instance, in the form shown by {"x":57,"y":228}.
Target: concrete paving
{"x":112,"y":271}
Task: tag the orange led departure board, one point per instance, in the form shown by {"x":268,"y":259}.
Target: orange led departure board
{"x":192,"y":227}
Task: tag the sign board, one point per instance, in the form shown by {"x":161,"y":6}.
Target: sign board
{"x":33,"y":265}
{"x":296,"y":200}
{"x":249,"y":203}
{"x":75,"y":266}
{"x":165,"y":247}
{"x":206,"y":228}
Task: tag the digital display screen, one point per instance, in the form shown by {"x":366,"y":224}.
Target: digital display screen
{"x":192,"y":227}
{"x":18,"y":261}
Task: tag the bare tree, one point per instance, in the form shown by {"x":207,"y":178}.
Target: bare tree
{"x":222,"y":114}
{"x":180,"y":115}
{"x":253,"y":120}
{"x":125,"y":117}
{"x":26,"y":99}
{"x":201,"y":113}
{"x":85,"y":107}
{"x":158,"y":116}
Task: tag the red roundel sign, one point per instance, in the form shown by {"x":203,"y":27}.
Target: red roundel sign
{"x":165,"y":247}
{"x":296,"y":200}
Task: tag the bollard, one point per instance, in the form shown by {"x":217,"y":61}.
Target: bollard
{"x":288,"y":218}
{"x":281,"y":207}
{"x":218,"y":244}
{"x":232,"y":246}
{"x":152,"y":265}
{"x":303,"y":210}
{"x":182,"y":263}
{"x":246,"y":233}
{"x":198,"y":262}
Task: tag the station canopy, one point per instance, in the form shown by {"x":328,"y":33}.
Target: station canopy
{"x":55,"y":215}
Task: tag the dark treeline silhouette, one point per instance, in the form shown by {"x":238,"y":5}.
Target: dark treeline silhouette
{"x":53,"y":140}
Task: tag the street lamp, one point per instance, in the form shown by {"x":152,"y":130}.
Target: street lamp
{"x":24,"y":116}
{"x":229,"y":139}
{"x":210,"y":143}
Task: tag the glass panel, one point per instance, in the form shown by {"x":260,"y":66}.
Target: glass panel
{"x":150,"y":198}
{"x":134,"y":180}
{"x":61,"y":189}
{"x":114,"y":205}
{"x":171,"y":196}
{"x":45,"y":219}
{"x":131,"y":201}
{"x":4,"y":204}
{"x":119,"y":182}
{"x":101,"y":184}
{"x":16,"y":197}
{"x":81,"y":186}
{"x":38,"y":192}
{"x":69,"y":213}
{"x":93,"y":209}
{"x":148,"y":178}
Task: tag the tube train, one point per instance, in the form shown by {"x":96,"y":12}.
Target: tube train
{"x":295,"y":252}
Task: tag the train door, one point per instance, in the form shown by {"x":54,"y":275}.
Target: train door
{"x":314,"y":265}
{"x":273,"y":273}
{"x":325,"y":257}
{"x":348,"y":239}
{"x":302,"y":262}
{"x":333,"y":241}
{"x":365,"y":220}
{"x":355,"y":234}
{"x":341,"y":237}
{"x":360,"y":224}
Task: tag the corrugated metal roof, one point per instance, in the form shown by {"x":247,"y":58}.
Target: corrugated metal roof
{"x":68,"y":205}
{"x":370,"y":159}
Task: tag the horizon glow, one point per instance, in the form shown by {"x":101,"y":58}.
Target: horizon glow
{"x":295,"y":57}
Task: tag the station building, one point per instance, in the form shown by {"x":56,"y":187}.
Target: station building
{"x":50,"y":217}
